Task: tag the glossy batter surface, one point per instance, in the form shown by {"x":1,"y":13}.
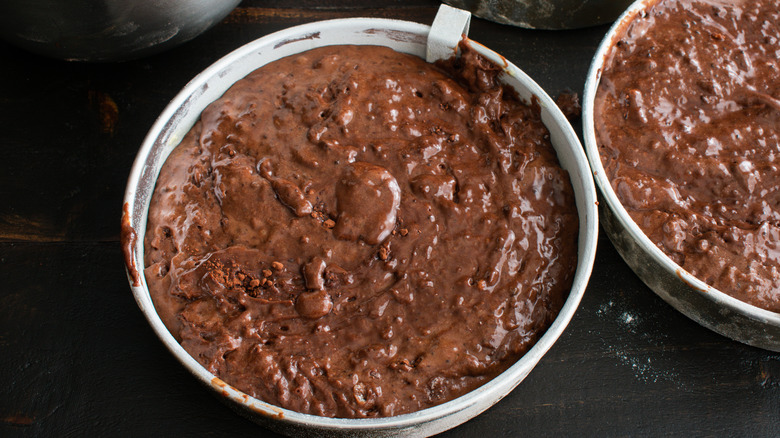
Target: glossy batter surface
{"x":688,"y":123}
{"x":350,"y":232}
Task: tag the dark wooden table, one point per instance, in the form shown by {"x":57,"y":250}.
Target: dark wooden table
{"x":77,"y":358}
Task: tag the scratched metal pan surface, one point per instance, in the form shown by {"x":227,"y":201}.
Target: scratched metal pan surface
{"x":182,"y":113}
{"x":703,"y":303}
{"x":545,"y":14}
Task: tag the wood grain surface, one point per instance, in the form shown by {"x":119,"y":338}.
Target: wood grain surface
{"x":77,"y":357}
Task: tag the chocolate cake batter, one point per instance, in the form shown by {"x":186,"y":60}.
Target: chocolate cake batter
{"x":687,"y":117}
{"x":351,"y":232}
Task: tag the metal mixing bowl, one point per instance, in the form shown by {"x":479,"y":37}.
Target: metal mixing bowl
{"x":694,"y":298}
{"x":106,"y":30}
{"x":545,"y":14}
{"x":185,"y":109}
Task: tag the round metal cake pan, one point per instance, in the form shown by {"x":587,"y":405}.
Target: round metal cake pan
{"x":704,"y":304}
{"x":182,"y":113}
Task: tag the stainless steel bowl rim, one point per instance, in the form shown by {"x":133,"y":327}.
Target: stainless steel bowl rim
{"x":107,"y":30}
{"x":599,"y":174}
{"x":165,"y":130}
